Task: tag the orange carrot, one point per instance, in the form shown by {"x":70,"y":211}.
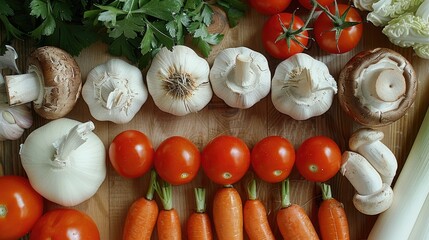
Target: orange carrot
{"x":255,"y":216}
{"x":292,"y":220}
{"x":198,"y":225}
{"x":142,"y":215}
{"x":168,"y":223}
{"x":228,"y":214}
{"x":332,"y":217}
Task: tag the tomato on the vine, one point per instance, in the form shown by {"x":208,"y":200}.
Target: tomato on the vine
{"x":65,"y":224}
{"x":20,"y":207}
{"x":131,"y":153}
{"x":177,"y":160}
{"x":272,"y":158}
{"x":225,"y":159}
{"x":269,"y":7}
{"x":308,"y":4}
{"x":338,"y":32}
{"x":284,"y":35}
{"x":318,"y":159}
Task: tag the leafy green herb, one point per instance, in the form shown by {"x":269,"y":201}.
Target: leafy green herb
{"x":136,"y":29}
{"x":60,"y":24}
{"x":154,"y":24}
{"x":235,"y":10}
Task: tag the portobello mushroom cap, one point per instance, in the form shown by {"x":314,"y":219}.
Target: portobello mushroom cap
{"x":52,"y":83}
{"x":376,"y":87}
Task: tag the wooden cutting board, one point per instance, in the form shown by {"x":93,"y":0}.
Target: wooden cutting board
{"x":109,"y":206}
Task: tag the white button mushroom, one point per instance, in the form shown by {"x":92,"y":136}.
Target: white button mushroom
{"x":376,"y":87}
{"x":178,"y":81}
{"x":374,"y":203}
{"x":360,"y":173}
{"x":114,"y":91}
{"x":53,"y":83}
{"x":302,"y":87}
{"x":241,"y":77}
{"x":367,"y":142}
{"x":373,"y":196}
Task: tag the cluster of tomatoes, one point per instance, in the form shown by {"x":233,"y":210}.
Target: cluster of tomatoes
{"x":21,"y":211}
{"x":225,"y":159}
{"x":338,"y":29}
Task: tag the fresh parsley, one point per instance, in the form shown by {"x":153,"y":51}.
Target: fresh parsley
{"x":135,"y":29}
{"x":151,"y":25}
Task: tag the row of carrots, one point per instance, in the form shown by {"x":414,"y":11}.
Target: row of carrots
{"x":230,"y":217}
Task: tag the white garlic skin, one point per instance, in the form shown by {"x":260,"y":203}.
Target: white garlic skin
{"x":225,"y":77}
{"x":192,"y":75}
{"x":302,"y":87}
{"x":114,"y":91}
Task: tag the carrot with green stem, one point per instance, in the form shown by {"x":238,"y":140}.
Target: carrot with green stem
{"x":292,"y":220}
{"x":198,"y":226}
{"x":142,"y":214}
{"x":168,"y":223}
{"x":255,"y":216}
{"x":332,"y":217}
{"x":228,"y":214}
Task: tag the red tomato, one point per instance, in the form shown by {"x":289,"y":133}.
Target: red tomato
{"x":325,"y":30}
{"x":225,"y":159}
{"x":318,"y":159}
{"x":177,"y":160}
{"x":308,"y":5}
{"x":65,"y":224}
{"x":20,"y":207}
{"x":131,"y":153}
{"x":284,"y":48}
{"x":272,"y":158}
{"x":269,"y":7}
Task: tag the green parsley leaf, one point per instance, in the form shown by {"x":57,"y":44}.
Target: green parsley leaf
{"x":235,"y":10}
{"x":62,"y":10}
{"x":40,"y":8}
{"x":129,"y":27}
{"x":146,"y":43}
{"x":5,"y":9}
{"x":72,"y":37}
{"x":164,"y":10}
{"x":45,"y":29}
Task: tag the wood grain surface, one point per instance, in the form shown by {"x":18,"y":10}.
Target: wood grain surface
{"x":109,"y":206}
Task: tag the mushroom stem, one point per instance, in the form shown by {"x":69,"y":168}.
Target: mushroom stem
{"x":360,"y":173}
{"x":244,"y":76}
{"x":390,"y":85}
{"x":22,"y":88}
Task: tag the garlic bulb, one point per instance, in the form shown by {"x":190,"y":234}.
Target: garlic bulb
{"x":13,"y":119}
{"x":178,"y":81}
{"x":64,"y":161}
{"x":241,"y":77}
{"x":114,"y":91}
{"x":302,"y":87}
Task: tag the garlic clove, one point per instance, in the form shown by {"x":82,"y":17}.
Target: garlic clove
{"x":22,"y":115}
{"x":178,"y":81}
{"x":9,"y":130}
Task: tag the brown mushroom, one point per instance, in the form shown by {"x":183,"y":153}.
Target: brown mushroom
{"x":53,"y":83}
{"x":376,"y":87}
